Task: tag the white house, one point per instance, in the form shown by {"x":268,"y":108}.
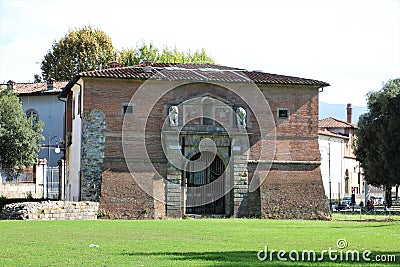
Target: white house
{"x":331,"y":146}
{"x":341,"y":172}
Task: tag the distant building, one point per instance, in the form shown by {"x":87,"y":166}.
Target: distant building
{"x":332,"y":163}
{"x":39,"y":100}
{"x":341,"y":172}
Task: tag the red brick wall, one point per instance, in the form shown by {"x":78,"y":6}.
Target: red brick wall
{"x":297,"y":140}
{"x":122,"y":198}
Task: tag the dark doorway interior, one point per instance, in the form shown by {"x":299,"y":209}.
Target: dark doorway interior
{"x":197,"y":192}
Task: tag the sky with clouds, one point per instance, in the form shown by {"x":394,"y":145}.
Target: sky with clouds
{"x":354,"y":45}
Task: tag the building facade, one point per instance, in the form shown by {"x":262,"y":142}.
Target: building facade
{"x":332,"y":164}
{"x":40,"y":101}
{"x":168,"y":140}
{"x":341,"y":173}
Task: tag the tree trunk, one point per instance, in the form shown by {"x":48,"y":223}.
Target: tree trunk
{"x":388,"y":195}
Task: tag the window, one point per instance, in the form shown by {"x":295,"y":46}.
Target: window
{"x":283,"y":113}
{"x":127,"y":108}
{"x":33,"y":116}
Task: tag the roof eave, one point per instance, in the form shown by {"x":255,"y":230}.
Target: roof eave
{"x":40,"y":93}
{"x":322,"y":84}
{"x":67,"y":89}
{"x":330,"y":134}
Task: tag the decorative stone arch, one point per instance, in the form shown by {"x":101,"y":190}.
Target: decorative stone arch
{"x":220,"y":153}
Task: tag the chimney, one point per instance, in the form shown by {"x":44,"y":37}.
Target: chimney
{"x":10,"y":84}
{"x":50,"y":84}
{"x":146,"y":65}
{"x":113,"y":65}
{"x":349,"y":113}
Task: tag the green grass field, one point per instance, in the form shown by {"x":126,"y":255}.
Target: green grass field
{"x":206,"y":242}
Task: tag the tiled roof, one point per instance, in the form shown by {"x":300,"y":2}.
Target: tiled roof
{"x":193,"y":72}
{"x":335,"y":123}
{"x":37,"y":88}
{"x":199,"y":72}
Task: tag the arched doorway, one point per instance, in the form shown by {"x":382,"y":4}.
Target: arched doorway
{"x":205,"y":187}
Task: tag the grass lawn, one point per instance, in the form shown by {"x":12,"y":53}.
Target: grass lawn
{"x":355,"y":216}
{"x":206,"y":242}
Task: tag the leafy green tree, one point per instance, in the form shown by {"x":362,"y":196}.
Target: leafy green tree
{"x":20,"y":136}
{"x":199,"y":57}
{"x":37,"y":78}
{"x":147,"y":52}
{"x":80,"y":50}
{"x":144,"y":52}
{"x":87,"y":49}
{"x":128,"y":57}
{"x":377,"y":146}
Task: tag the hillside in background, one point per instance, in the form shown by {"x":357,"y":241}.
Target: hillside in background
{"x":338,"y":111}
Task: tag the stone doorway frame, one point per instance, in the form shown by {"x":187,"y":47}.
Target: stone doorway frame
{"x":228,"y":148}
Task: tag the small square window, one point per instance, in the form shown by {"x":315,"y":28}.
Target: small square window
{"x":283,"y":113}
{"x":127,"y":109}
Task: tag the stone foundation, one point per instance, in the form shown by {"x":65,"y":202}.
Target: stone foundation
{"x":50,"y":210}
{"x":122,"y":198}
{"x":294,"y":192}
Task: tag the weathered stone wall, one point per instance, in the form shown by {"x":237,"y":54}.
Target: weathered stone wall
{"x":122,"y":198}
{"x":294,"y":192}
{"x":30,"y":187}
{"x":93,"y":143}
{"x":50,"y":210}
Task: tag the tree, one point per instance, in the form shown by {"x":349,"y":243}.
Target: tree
{"x":37,"y":78}
{"x":144,"y":52}
{"x":377,"y":146}
{"x":20,"y":136}
{"x":87,"y":49}
{"x":80,"y":50}
{"x":128,"y":57}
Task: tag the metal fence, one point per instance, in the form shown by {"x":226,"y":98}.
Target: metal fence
{"x":378,"y":213}
{"x":53,"y":182}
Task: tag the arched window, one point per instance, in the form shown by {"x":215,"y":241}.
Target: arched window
{"x":33,"y":115}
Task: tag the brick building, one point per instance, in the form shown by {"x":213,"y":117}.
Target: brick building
{"x":170,"y":140}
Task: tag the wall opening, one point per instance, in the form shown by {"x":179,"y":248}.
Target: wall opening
{"x":212,"y":167}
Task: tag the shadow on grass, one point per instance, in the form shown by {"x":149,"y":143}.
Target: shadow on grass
{"x":364,"y":225}
{"x":249,"y":258}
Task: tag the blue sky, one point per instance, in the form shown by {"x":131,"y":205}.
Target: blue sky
{"x":352,"y":44}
